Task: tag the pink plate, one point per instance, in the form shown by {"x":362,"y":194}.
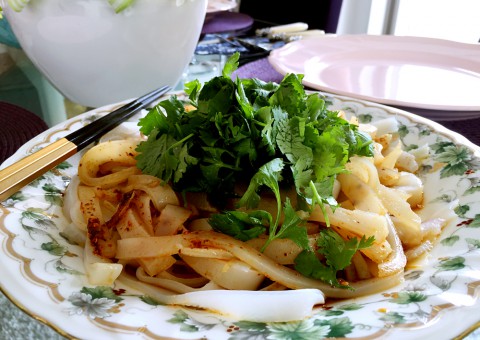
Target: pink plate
{"x":405,"y":71}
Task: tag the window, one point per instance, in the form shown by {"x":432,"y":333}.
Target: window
{"x":447,"y":19}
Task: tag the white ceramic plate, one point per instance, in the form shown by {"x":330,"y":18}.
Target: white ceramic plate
{"x":43,"y":273}
{"x":214,"y":6}
{"x":403,"y":71}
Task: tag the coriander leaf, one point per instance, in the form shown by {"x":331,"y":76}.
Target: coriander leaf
{"x":268,"y":139}
{"x":174,"y":109}
{"x":302,"y":174}
{"x":192,"y":88}
{"x":321,"y":193}
{"x":338,"y":252}
{"x":243,"y":100}
{"x":151,"y":121}
{"x":184,"y":161}
{"x":164,"y":156}
{"x":269,"y":175}
{"x":315,"y":107}
{"x":321,"y":188}
{"x":292,"y":228}
{"x":160,"y":121}
{"x":363,"y":145}
{"x":330,"y":154}
{"x":311,"y":134}
{"x":245,"y":148}
{"x":212,"y":164}
{"x":213,"y":155}
{"x":290,"y":140}
{"x":290,"y":95}
{"x":217,"y":95}
{"x":259,"y":91}
{"x":241,"y":225}
{"x":231,"y":65}
{"x":308,"y":264}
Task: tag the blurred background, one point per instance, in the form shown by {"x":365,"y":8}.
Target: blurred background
{"x":21,"y":84}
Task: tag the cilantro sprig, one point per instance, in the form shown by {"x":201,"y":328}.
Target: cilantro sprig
{"x":236,"y":127}
{"x":267,"y":134}
{"x":270,"y":175}
{"x":338,"y":254}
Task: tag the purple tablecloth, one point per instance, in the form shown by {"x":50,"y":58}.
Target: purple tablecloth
{"x":226,"y":22}
{"x":17,"y":126}
{"x":261,"y":69}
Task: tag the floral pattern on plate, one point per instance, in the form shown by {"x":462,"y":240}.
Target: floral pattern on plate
{"x":43,"y":270}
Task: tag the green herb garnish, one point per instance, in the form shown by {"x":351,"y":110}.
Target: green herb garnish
{"x":266,"y":134}
{"x":338,"y":254}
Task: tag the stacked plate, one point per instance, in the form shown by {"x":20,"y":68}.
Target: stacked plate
{"x":435,"y":78}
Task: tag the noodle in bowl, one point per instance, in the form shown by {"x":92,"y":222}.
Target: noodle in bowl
{"x":53,"y":286}
{"x":176,"y":254}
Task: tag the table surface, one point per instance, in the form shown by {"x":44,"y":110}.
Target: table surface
{"x":15,"y":324}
